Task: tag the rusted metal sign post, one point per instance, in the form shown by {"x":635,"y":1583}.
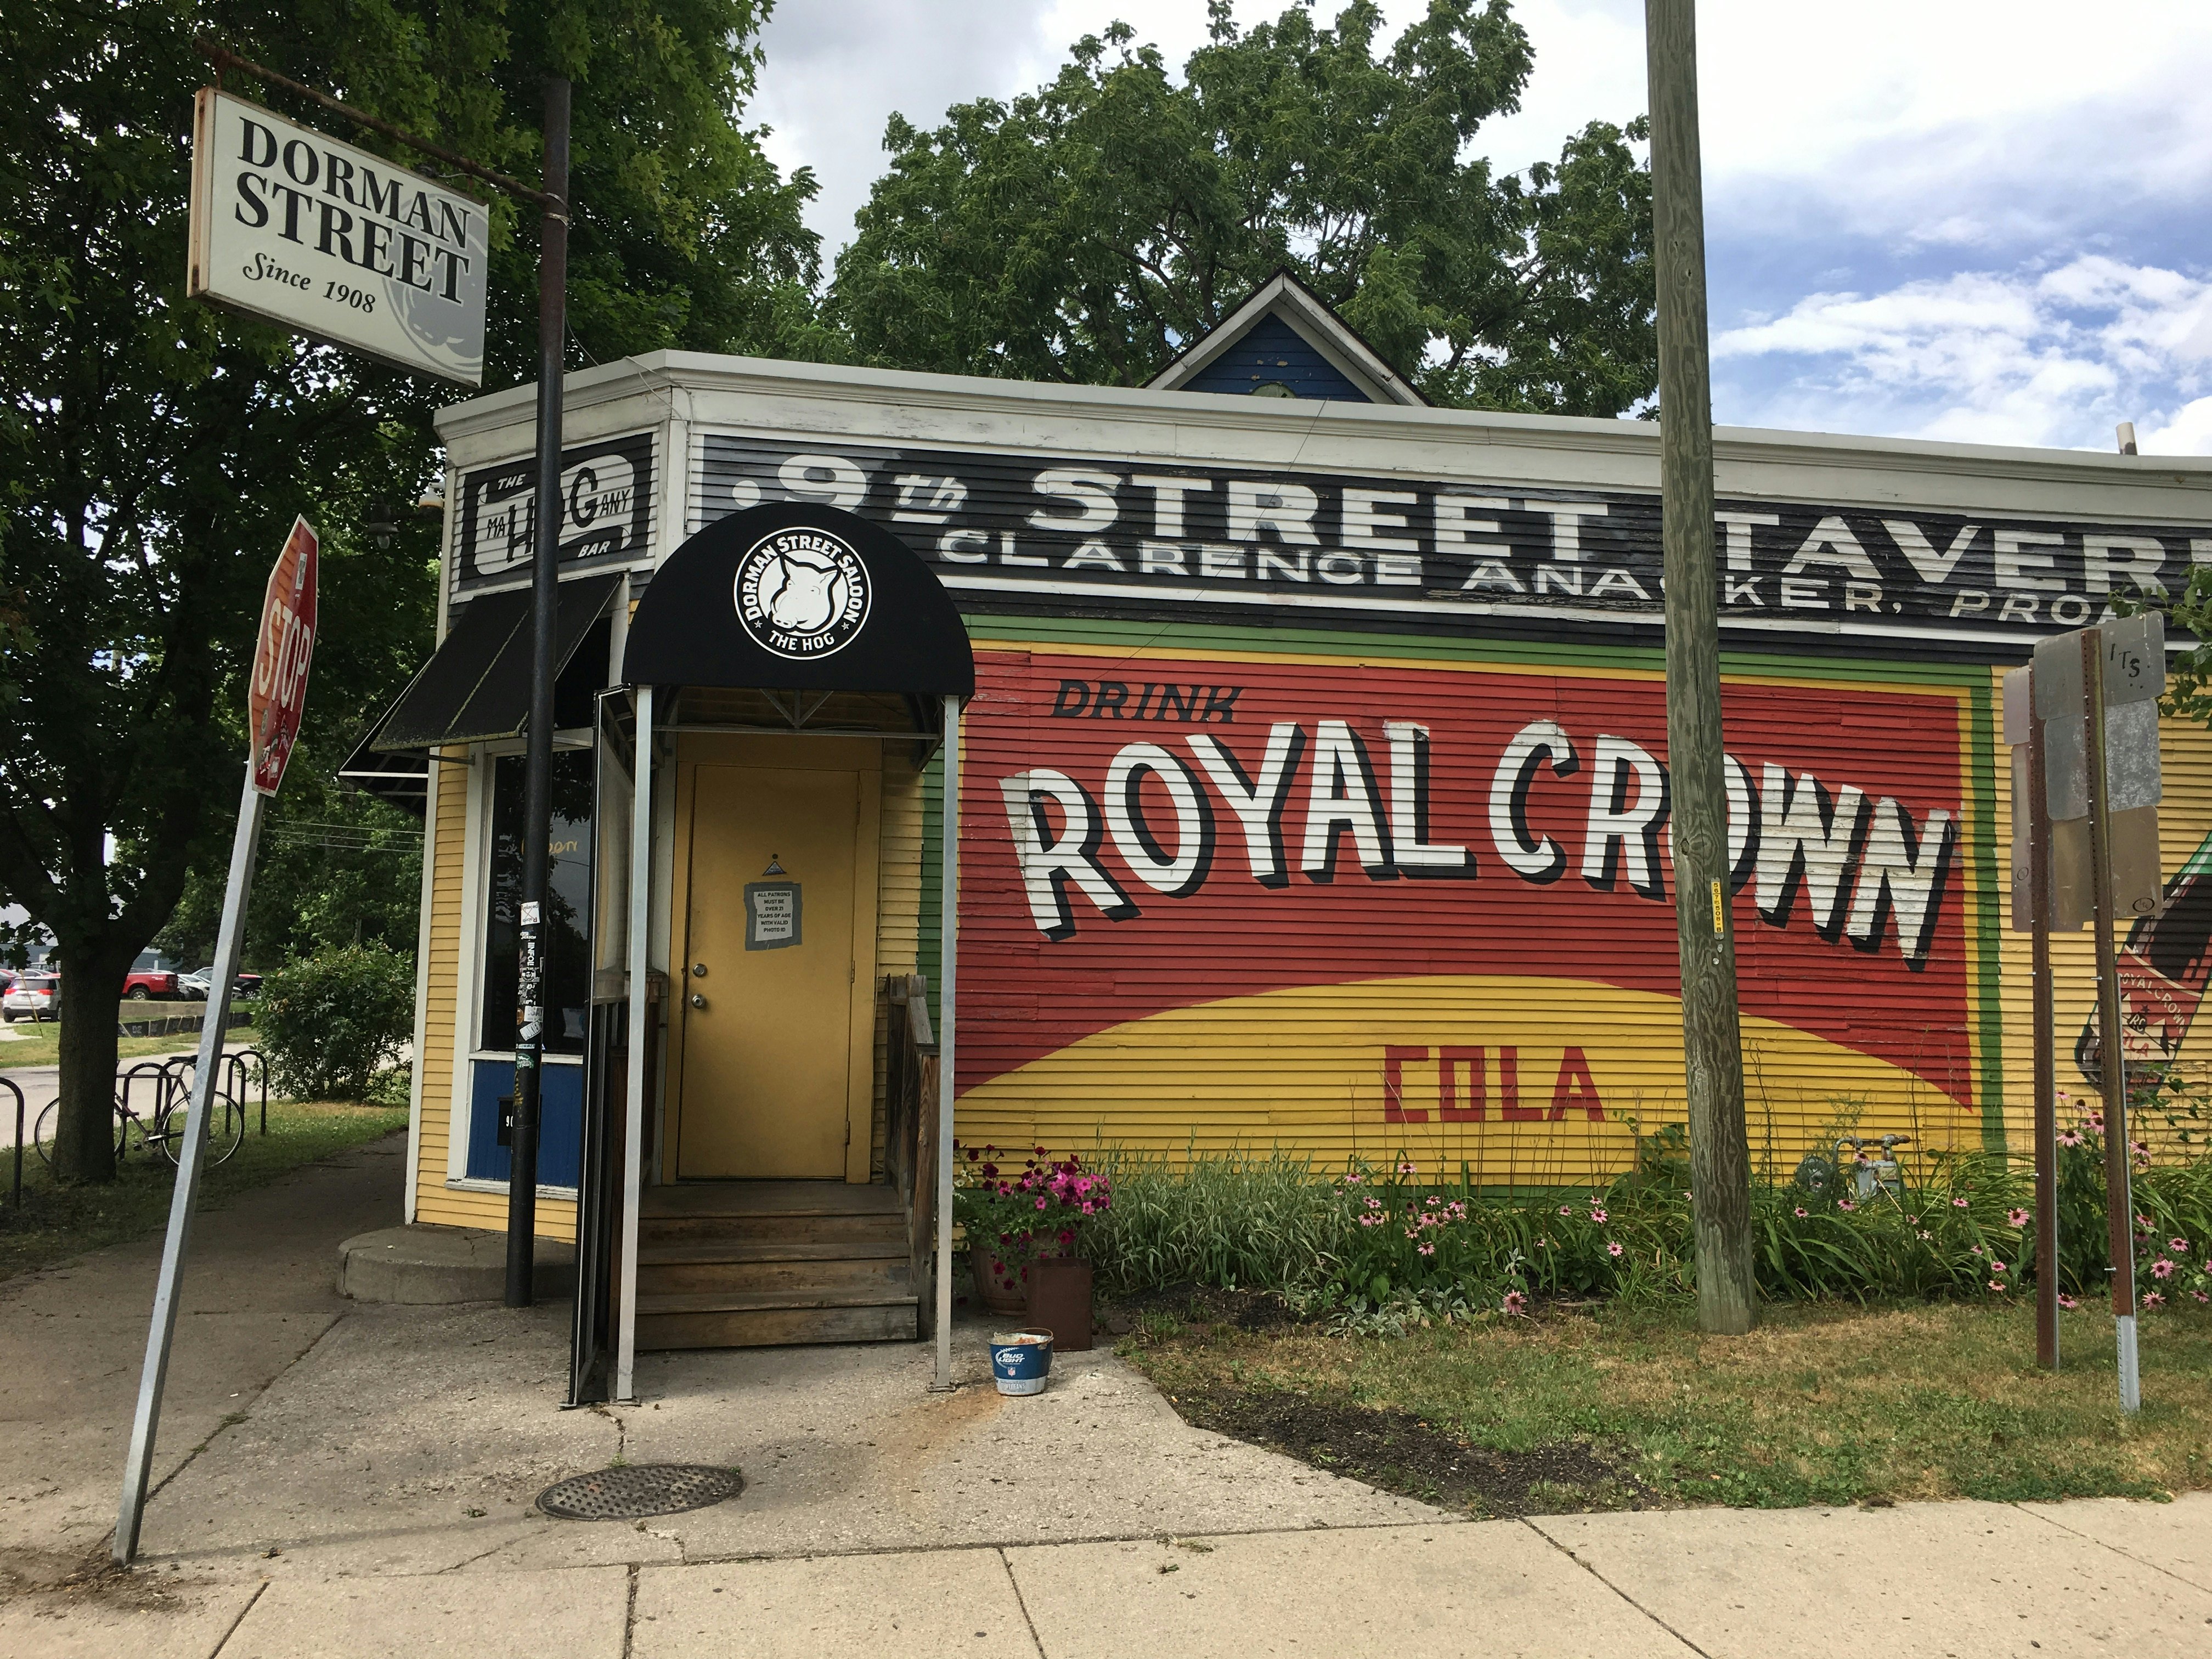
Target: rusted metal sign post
{"x":2082,"y":722}
{"x":274,"y":701}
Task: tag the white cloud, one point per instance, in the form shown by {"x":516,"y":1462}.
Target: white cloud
{"x":1976,"y":219}
{"x":2053,"y":357}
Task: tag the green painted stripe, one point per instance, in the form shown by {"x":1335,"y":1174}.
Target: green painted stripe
{"x":1122,"y":635}
{"x":1989,"y":914}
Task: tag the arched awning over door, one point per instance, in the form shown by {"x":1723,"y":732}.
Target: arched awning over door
{"x":796,"y":597}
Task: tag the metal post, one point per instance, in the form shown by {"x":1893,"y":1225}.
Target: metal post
{"x":642,"y":1037}
{"x":538,"y":767}
{"x":2112,"y":1040}
{"x":1720,"y":1153}
{"x":154,"y":1376}
{"x":948,"y":934}
{"x":2046,"y":1073}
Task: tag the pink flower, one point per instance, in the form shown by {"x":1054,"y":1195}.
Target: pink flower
{"x":1515,"y":1303}
{"x":2161,"y":1268}
{"x":1996,"y":1265}
{"x":1912,"y":1220}
{"x":2068,"y":1302}
{"x":2071,"y":1138}
{"x":1613,"y":1249}
{"x":1958,"y":1203}
{"x":2179,"y":1246}
{"x":1407,"y":1167}
{"x":1977,"y":1251}
{"x":1996,"y":1283}
{"x":2201,"y":1298}
{"x":1597,"y":1215}
{"x":1567,"y":1209}
{"x":1373,"y":1202}
{"x":1041,"y":1203}
{"x":1846,"y":1204}
{"x":1428,"y":1249}
{"x":1352,"y":1181}
{"x":2015,"y":1217}
{"x":2153,"y":1299}
{"x":1800,"y":1210}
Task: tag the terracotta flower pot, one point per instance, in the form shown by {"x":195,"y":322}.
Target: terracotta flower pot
{"x":1004,"y":1292}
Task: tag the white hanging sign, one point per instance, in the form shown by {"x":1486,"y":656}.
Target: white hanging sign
{"x":298,"y":228}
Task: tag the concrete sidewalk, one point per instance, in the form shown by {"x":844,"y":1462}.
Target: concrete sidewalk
{"x":355,"y":1480}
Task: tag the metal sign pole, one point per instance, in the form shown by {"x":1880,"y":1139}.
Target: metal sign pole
{"x":2112,"y":1040}
{"x":2046,"y":1070}
{"x":538,"y":766}
{"x":190,"y":1158}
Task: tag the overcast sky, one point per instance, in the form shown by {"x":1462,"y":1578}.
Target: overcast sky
{"x":1973,"y":220}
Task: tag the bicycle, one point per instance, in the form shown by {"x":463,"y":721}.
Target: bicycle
{"x":1871,"y":1177}
{"x":161,"y":1131}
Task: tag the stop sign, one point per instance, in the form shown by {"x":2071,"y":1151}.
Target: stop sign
{"x":287,"y":643}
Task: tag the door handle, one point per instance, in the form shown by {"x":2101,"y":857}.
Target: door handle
{"x":698,"y":1001}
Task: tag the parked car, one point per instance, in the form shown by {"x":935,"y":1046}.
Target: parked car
{"x":140,"y":986}
{"x":35,"y":995}
{"x":196,"y":983}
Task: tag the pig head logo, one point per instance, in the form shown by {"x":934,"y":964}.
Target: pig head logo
{"x":802,"y":593}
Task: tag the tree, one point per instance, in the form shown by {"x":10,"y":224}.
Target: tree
{"x":153,"y":451}
{"x":1086,"y":232}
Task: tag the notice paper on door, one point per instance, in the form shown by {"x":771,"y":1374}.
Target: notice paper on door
{"x":771,"y":915}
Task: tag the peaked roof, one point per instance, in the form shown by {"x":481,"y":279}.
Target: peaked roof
{"x":1290,"y":303}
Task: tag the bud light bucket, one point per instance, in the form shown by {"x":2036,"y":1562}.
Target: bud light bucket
{"x":1021,"y":1360}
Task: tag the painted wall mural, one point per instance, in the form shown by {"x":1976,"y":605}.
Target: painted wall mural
{"x":1342,"y":900}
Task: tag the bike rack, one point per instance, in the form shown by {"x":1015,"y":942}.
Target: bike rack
{"x":164,"y":1093}
{"x":235,"y":1064}
{"x":8,"y":1083}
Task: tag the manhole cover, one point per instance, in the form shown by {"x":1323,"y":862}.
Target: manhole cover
{"x":638,"y":1490}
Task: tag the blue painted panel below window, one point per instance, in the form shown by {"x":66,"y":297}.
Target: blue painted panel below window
{"x":1272,"y":350}
{"x":560,"y":1122}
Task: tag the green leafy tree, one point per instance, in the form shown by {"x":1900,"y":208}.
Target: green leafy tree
{"x":153,"y":450}
{"x":1087,"y":231}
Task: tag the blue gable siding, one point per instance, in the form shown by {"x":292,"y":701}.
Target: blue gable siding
{"x":1272,"y":350}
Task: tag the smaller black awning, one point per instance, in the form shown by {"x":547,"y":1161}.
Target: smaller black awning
{"x":402,"y":780}
{"x":476,"y":687}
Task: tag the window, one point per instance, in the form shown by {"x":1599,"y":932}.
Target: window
{"x":567,"y":980}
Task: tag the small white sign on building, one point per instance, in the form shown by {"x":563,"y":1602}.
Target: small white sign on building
{"x":293,"y":227}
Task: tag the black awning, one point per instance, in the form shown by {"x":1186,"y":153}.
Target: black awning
{"x":402,"y":780}
{"x":794,"y":596}
{"x":477,"y":684}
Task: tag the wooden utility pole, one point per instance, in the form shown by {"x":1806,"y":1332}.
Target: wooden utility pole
{"x":1712,"y":1053}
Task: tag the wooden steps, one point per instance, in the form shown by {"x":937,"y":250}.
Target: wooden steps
{"x":753,"y":1263}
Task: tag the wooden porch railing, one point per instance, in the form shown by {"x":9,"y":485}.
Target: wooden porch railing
{"x":911,"y":1128}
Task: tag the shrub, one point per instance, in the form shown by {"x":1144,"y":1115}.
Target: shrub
{"x":329,"y":1022}
{"x":1229,"y":1219}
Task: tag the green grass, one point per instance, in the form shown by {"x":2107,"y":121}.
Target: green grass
{"x":59,"y":1222}
{"x":40,"y":1045}
{"x":1823,"y":1404}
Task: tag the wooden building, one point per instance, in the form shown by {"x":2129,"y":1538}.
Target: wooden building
{"x":1315,"y":793}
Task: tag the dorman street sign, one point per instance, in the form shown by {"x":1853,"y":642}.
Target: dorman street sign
{"x":279,"y":692}
{"x":341,"y":244}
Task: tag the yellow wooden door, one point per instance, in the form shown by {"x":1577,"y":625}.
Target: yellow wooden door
{"x":776,"y":1052}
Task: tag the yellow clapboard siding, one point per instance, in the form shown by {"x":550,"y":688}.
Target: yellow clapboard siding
{"x":898,"y":909}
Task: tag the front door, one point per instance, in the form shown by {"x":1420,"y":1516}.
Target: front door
{"x":779,"y":967}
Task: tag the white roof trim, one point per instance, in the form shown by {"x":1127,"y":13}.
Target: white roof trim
{"x":1282,"y":295}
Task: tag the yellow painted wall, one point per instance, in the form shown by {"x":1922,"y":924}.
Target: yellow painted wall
{"x":435,"y":1202}
{"x":898,"y":906}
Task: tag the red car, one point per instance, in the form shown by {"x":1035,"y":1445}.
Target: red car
{"x":154,"y":982}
